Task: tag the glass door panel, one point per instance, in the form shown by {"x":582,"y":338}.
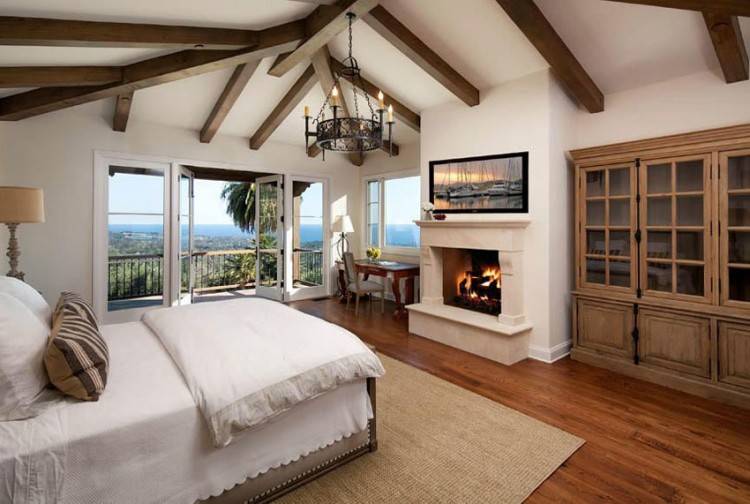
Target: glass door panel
{"x":619,"y":182}
{"x":607,"y":239}
{"x":594,"y":183}
{"x":660,"y":276}
{"x":307,"y":199}
{"x":269,"y":236}
{"x":659,"y":179}
{"x":690,"y":279}
{"x":619,"y":273}
{"x":619,"y":244}
{"x":135,"y":270}
{"x":676,"y":234}
{"x":185,"y":230}
{"x":659,"y":245}
{"x":619,"y":212}
{"x":594,"y":213}
{"x":689,"y":210}
{"x":690,"y":245}
{"x":689,"y":175}
{"x":595,"y":271}
{"x":735,"y":225}
{"x":659,"y":211}
{"x":739,"y":210}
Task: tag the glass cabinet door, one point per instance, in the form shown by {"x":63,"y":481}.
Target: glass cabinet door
{"x":607,"y":216}
{"x":735,"y":228}
{"x":675,"y":218}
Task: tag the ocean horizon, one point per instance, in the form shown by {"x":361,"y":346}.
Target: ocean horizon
{"x":400,"y":235}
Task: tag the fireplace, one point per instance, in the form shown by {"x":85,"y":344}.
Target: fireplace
{"x":472,"y":287}
{"x":472,"y":280}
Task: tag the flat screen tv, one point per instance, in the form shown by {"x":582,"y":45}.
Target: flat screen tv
{"x":484,"y":184}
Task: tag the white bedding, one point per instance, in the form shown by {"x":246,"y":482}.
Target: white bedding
{"x":248,"y":360}
{"x":145,"y":440}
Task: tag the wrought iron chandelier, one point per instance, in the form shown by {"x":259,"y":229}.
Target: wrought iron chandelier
{"x":355,"y":133}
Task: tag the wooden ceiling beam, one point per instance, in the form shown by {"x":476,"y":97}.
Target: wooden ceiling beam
{"x":532,"y":22}
{"x":420,"y":53}
{"x":321,"y":62}
{"x":232,"y":91}
{"x":401,"y":111}
{"x":72,"y":33}
{"x":41,"y":76}
{"x":289,"y":102}
{"x":324,"y":23}
{"x":122,"y":111}
{"x":151,"y":72}
{"x":726,"y":35}
{"x":732,"y":7}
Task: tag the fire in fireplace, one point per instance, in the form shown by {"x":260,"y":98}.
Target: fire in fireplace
{"x":471,"y":280}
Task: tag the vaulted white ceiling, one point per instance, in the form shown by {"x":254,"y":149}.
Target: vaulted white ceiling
{"x":622,"y":46}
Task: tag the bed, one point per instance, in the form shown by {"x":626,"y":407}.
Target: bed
{"x":146,"y":440}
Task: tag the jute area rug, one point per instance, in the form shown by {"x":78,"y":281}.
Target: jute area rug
{"x":439,"y":443}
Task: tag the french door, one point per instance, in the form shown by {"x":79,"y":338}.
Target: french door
{"x":132,"y":231}
{"x":269,"y":237}
{"x":186,"y":275}
{"x":307,"y":233}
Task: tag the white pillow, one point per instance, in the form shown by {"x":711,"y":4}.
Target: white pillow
{"x":23,"y":340}
{"x":29,"y":296}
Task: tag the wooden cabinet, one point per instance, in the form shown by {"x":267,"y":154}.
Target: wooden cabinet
{"x":734,"y":354}
{"x":663,"y":260}
{"x":605,"y":327}
{"x":675,"y":342}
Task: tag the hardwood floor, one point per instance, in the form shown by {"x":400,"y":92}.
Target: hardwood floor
{"x":644,"y":442}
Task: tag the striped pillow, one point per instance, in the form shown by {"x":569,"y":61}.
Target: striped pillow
{"x":77,"y":358}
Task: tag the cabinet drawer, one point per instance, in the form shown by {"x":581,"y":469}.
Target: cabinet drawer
{"x":606,"y":327}
{"x":734,"y":354}
{"x":677,"y":342}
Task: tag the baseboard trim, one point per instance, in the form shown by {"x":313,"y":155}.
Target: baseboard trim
{"x":552,"y":354}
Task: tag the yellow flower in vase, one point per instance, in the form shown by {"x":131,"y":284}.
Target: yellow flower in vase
{"x":373,"y":253}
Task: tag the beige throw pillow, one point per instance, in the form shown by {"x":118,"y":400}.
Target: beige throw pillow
{"x":77,"y":357}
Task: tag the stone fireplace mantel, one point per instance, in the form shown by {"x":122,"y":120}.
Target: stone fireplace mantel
{"x":503,"y":338}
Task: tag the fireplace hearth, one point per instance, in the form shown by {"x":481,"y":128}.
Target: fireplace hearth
{"x":471,"y":280}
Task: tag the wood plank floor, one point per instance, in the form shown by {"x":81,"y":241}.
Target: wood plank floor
{"x":644,"y":442}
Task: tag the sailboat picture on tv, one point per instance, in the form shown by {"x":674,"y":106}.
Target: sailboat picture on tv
{"x":491,"y":184}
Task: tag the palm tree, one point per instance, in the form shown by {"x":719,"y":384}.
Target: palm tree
{"x":240,"y":199}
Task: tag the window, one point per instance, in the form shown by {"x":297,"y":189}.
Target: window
{"x":394,"y":202}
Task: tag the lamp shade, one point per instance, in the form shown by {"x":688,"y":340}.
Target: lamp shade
{"x":21,"y":204}
{"x":343,"y":224}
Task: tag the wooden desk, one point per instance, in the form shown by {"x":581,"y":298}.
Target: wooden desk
{"x":396,"y":270}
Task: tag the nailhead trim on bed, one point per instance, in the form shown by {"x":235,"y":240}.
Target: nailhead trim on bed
{"x":315,"y":469}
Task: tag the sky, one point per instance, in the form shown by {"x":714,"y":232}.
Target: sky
{"x":401,"y":195}
{"x":208,"y":206}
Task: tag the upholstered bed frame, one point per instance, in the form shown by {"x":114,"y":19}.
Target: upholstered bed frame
{"x":277,"y":482}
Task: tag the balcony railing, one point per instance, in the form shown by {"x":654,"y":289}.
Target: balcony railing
{"x":137,"y":276}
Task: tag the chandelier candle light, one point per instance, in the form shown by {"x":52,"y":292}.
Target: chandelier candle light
{"x":355,"y":133}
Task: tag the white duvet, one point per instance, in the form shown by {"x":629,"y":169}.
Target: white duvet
{"x":247,"y":361}
{"x":146,"y":442}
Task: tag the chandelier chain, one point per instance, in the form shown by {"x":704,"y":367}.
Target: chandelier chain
{"x":348,"y":132}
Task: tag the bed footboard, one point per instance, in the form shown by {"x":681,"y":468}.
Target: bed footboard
{"x":277,"y":482}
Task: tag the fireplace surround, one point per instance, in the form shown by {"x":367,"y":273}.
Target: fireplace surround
{"x":496,"y":327}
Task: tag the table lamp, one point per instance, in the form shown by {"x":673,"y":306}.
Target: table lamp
{"x":343,"y":225}
{"x":19,"y":205}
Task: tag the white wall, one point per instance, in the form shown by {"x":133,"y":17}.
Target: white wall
{"x":55,"y":152}
{"x":563,"y":112}
{"x":691,"y":103}
{"x":513,"y":117}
